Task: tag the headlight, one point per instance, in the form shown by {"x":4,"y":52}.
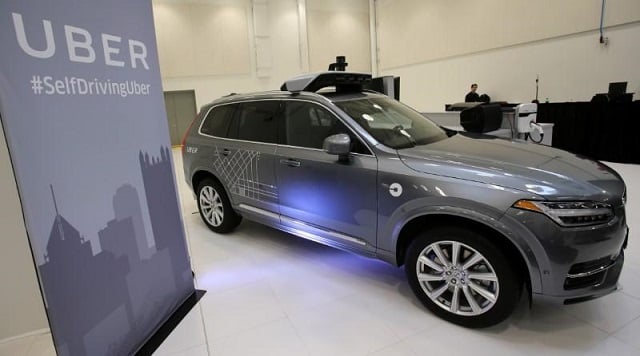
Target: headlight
{"x":570,"y":213}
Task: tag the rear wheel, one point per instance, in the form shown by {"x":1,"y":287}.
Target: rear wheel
{"x":462,"y":277}
{"x":215,"y":208}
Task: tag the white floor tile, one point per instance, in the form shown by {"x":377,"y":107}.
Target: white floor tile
{"x":630,"y":334}
{"x":630,"y":280}
{"x":398,"y":349}
{"x":187,"y":335}
{"x":451,"y":340}
{"x":42,"y":346}
{"x":612,"y":346}
{"x":277,"y":338}
{"x":17,"y":347}
{"x":608,"y":313}
{"x":547,"y":330}
{"x":342,"y":327}
{"x":398,"y":309}
{"x":201,"y":350}
{"x":227,"y":274}
{"x":239,"y":309}
{"x":364,"y":274}
{"x":304,"y":286}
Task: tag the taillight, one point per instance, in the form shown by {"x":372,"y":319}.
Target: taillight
{"x":186,"y":133}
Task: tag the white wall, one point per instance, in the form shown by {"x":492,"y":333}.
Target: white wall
{"x":570,"y":68}
{"x":339,"y":27}
{"x":413,"y":31}
{"x":282,"y":28}
{"x":284,"y":37}
{"x":198,"y":38}
{"x":21,"y":305}
{"x":503,"y":44}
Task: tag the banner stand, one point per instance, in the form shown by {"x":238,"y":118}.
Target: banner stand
{"x":85,"y":123}
{"x":161,"y":334}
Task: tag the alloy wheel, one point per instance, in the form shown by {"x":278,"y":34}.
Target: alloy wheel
{"x":457,"y":278}
{"x":211,"y":206}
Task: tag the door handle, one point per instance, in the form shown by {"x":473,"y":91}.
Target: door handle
{"x":290,"y":162}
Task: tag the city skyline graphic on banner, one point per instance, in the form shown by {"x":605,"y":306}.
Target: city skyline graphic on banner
{"x":116,"y":273}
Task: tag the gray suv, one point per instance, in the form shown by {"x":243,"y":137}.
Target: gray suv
{"x":475,"y":220}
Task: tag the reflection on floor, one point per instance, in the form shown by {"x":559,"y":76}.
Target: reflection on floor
{"x":269,"y":293}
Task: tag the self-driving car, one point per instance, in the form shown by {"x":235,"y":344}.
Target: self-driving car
{"x":477,"y":221}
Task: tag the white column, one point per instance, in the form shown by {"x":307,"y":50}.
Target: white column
{"x":262,"y":38}
{"x":303,"y":38}
{"x":373,"y":31}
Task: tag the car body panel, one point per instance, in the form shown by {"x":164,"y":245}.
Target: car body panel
{"x":315,"y":188}
{"x":538,"y":169}
{"x":565,"y":247}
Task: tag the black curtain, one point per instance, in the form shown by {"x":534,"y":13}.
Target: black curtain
{"x":603,"y":131}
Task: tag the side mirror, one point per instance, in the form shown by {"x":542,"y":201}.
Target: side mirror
{"x":339,"y":144}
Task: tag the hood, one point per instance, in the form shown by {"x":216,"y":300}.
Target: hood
{"x":542,"y":170}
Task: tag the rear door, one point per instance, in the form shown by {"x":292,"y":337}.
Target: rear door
{"x":317,"y":193}
{"x":245,"y":160}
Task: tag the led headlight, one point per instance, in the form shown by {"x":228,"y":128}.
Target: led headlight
{"x":570,"y":213}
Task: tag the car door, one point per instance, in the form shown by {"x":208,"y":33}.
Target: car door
{"x":245,"y":162}
{"x":329,"y":200}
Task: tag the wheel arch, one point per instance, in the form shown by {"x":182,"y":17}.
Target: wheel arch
{"x":426,"y":222}
{"x":203,"y":174}
{"x":229,"y":219}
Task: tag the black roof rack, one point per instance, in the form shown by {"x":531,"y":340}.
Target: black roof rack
{"x":343,"y":81}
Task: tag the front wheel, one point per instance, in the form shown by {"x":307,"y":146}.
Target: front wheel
{"x":215,"y":208}
{"x":462,"y":277}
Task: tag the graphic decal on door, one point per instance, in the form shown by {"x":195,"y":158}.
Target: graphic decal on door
{"x":241,"y":171}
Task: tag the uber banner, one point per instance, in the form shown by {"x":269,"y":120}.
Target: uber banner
{"x":82,"y":107}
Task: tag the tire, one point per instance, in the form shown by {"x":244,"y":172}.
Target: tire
{"x":483,"y":283}
{"x":215,"y":208}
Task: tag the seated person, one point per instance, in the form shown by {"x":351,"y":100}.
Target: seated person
{"x":473,"y":97}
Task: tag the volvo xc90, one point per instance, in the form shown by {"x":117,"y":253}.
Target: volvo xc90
{"x":475,"y":220}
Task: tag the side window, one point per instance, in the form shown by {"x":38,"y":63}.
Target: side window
{"x":217,"y":121}
{"x":256,"y":121}
{"x":308,"y":124}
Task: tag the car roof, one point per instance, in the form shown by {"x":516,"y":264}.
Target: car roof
{"x":342,"y":81}
{"x":333,"y":86}
{"x":324,"y":96}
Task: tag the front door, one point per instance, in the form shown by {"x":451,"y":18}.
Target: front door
{"x":317,"y":192}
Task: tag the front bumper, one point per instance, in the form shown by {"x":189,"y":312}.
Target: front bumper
{"x":583,"y":262}
{"x":598,"y":284}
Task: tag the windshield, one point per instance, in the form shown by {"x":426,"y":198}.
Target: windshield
{"x":392,"y":123}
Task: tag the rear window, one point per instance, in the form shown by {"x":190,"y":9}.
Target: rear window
{"x":256,"y":121}
{"x":217,"y":121}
